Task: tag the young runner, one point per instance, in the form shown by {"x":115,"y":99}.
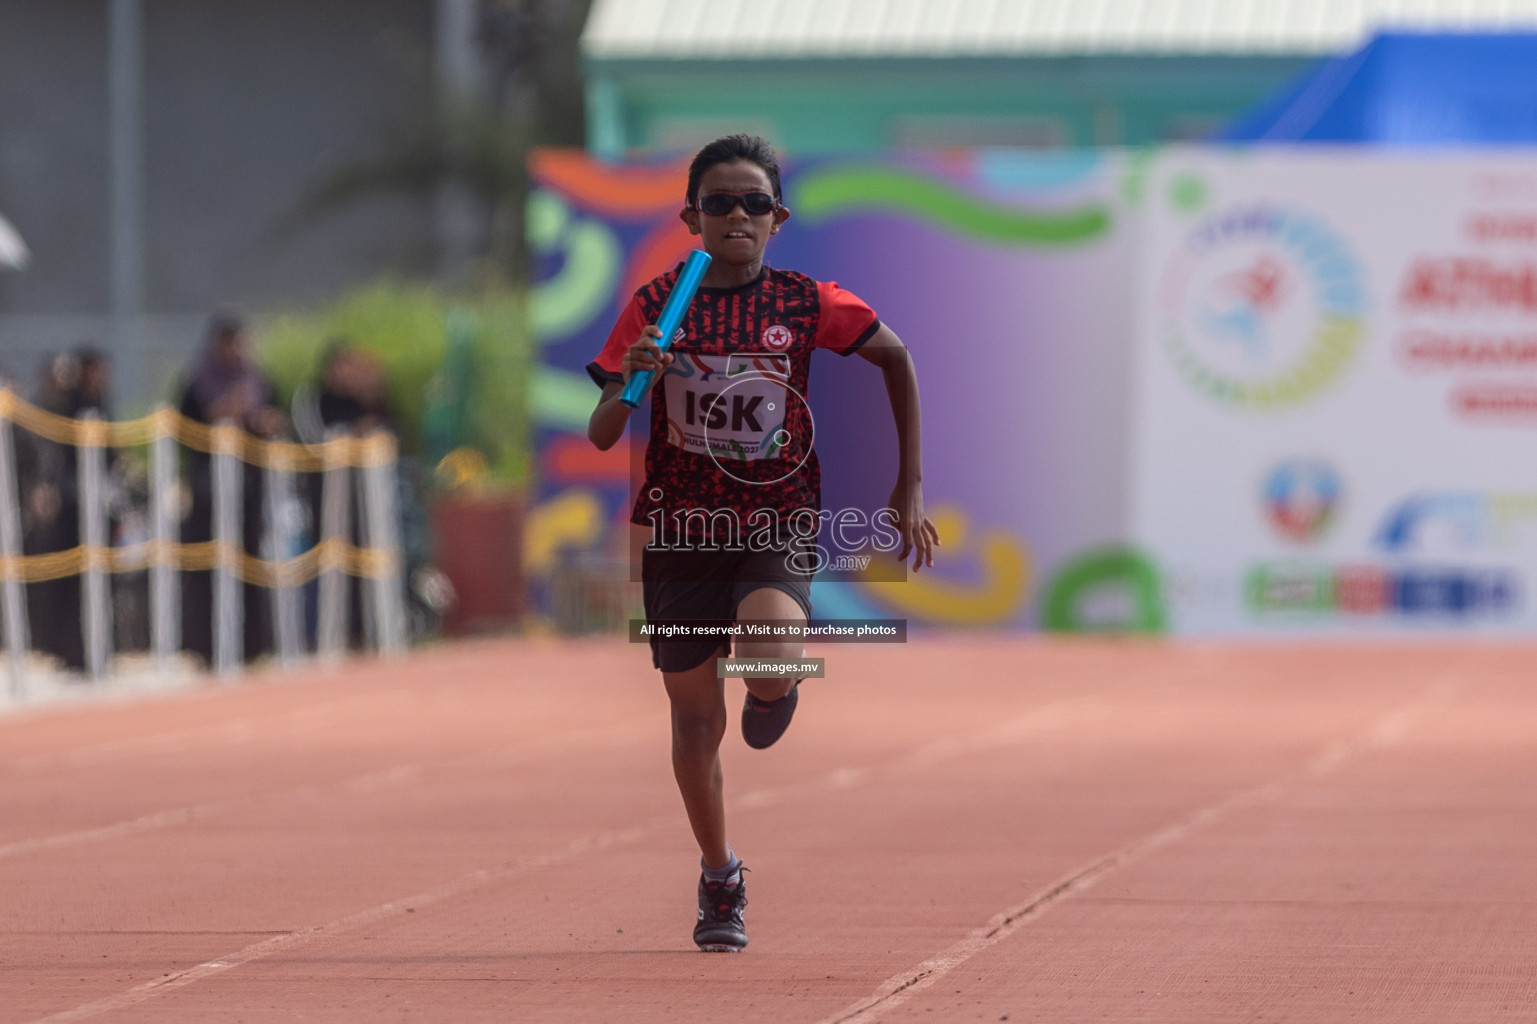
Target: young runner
{"x":732,"y":489}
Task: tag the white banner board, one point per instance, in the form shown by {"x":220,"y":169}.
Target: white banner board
{"x":1336,"y":410}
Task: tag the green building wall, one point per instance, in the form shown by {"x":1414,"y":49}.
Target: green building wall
{"x":852,"y":105}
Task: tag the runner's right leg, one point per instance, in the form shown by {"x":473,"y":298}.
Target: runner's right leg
{"x":698,"y":725}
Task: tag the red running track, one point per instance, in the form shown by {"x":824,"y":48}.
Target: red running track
{"x":954,"y":830}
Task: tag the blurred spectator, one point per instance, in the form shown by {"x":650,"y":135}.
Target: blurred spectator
{"x":352,"y":391}
{"x":125,"y":490}
{"x":350,"y":394}
{"x":224,"y":385}
{"x":50,"y":516}
{"x":92,"y":383}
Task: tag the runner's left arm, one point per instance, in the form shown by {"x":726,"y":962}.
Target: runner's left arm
{"x":886,"y":351}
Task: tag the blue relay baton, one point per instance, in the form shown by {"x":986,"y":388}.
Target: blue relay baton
{"x":672,"y":315}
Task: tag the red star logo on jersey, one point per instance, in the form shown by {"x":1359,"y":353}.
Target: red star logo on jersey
{"x":777,"y":337}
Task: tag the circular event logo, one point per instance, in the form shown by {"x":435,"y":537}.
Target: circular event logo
{"x":1261,"y":307}
{"x":1301,"y":497}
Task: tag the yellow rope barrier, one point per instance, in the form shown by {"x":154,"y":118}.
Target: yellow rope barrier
{"x":375,"y":450}
{"x":370,"y":563}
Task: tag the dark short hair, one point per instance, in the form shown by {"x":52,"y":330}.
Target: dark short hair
{"x":751,"y":148}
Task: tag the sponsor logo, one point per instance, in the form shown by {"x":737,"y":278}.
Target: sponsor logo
{"x":1455,"y":520}
{"x":1301,"y":497}
{"x":1261,"y":307}
{"x":1364,"y":590}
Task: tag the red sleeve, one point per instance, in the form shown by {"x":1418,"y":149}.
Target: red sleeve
{"x":846,"y":322}
{"x":605,"y":368}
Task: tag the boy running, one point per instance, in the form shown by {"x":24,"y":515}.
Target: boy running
{"x":733,"y":489}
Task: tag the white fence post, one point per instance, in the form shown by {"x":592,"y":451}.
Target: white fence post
{"x":228,"y":607}
{"x":12,"y":596}
{"x":335,"y":529}
{"x":287,"y":620}
{"x":164,"y":582}
{"x":96,"y":581}
{"x":367,"y":610}
{"x":381,"y":532}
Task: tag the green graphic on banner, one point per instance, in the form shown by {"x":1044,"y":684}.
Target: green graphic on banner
{"x":1126,"y":574}
{"x":882,"y":190}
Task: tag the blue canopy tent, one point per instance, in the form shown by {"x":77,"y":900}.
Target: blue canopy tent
{"x":1408,"y":89}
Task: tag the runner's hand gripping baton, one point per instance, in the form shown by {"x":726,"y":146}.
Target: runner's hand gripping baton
{"x":672,"y":315}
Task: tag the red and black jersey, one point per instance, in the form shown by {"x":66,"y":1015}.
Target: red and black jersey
{"x":731,"y":430}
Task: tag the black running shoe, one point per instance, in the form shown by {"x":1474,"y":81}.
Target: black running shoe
{"x":720,"y":916}
{"x":764,"y":721}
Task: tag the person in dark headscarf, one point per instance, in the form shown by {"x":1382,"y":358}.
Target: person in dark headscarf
{"x":225,"y":386}
{"x":92,"y":383}
{"x":348,"y":396}
{"x":50,"y":517}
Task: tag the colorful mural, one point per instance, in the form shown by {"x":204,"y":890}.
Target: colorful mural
{"x":1003,"y":272}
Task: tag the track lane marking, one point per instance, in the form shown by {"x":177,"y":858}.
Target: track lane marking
{"x":325,"y":711}
{"x":497,"y":756}
{"x":216,"y":734}
{"x":1046,"y":717}
{"x":899,"y":988}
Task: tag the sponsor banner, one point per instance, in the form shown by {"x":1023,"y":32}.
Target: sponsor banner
{"x":1337,"y":391}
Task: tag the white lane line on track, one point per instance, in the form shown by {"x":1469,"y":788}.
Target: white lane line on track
{"x":219,"y":735}
{"x":186,"y":815}
{"x":495,"y":757}
{"x":1330,"y":758}
{"x":1032,"y":723}
{"x":285,"y":942}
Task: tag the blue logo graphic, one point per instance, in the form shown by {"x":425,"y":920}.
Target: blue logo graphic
{"x":1456,"y":519}
{"x":1301,"y":498}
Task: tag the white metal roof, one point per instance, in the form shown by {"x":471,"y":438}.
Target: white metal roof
{"x":619,"y":29}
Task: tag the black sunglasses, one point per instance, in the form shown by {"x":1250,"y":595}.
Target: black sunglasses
{"x":718,"y":204}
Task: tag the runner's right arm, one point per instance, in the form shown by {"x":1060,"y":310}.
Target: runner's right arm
{"x":608,"y":420}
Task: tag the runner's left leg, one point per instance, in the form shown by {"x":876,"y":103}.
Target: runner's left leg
{"x":769,"y":604}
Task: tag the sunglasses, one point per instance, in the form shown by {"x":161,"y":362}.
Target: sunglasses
{"x":718,"y":204}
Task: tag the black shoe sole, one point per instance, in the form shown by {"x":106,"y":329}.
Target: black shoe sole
{"x":762,"y":729}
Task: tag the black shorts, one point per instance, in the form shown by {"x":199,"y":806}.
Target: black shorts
{"x":709,"y":585}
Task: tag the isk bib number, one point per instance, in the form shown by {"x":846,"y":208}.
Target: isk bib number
{"x":728,"y":407}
